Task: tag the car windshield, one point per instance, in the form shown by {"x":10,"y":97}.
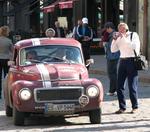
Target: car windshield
{"x":50,"y":54}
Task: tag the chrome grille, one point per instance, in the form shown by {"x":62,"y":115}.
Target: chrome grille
{"x":58,"y":94}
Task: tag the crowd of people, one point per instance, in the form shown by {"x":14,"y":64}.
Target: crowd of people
{"x":119,"y":50}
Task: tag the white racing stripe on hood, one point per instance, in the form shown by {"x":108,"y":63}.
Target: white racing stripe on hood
{"x":44,"y":75}
{"x":35,"y":41}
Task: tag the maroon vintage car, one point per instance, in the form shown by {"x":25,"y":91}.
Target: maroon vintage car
{"x":48,"y":76}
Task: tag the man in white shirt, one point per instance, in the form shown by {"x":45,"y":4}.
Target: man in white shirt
{"x":126,"y":42}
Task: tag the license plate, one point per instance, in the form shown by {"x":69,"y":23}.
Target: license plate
{"x":59,"y":107}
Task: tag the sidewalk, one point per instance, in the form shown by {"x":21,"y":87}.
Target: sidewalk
{"x":99,"y":67}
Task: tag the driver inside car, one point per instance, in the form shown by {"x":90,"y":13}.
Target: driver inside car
{"x":31,"y":55}
{"x":61,"y":53}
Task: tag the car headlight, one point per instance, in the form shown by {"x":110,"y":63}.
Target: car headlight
{"x":25,"y":94}
{"x":92,"y":91}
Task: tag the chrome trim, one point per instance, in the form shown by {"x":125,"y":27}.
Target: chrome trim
{"x":84,"y":100}
{"x":64,"y":79}
{"x":58,"y":101}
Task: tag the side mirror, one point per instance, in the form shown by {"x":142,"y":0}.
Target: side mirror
{"x":11,"y":63}
{"x":89,"y":61}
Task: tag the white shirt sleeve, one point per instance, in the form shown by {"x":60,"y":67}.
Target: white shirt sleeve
{"x":135,"y":42}
{"x":114,"y":46}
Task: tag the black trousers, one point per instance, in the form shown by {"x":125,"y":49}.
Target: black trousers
{"x":86,"y":50}
{"x":3,"y":71}
{"x":127,"y":70}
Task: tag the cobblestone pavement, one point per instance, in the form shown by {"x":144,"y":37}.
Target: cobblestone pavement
{"x":138,"y":122}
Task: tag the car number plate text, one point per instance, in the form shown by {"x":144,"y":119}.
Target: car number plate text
{"x":59,"y":107}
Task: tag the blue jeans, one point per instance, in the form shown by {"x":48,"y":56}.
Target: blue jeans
{"x":127,"y":70}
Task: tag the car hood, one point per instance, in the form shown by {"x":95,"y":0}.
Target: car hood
{"x":52,"y":72}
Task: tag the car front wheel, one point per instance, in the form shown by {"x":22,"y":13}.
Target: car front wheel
{"x":18,"y":117}
{"x":95,"y":116}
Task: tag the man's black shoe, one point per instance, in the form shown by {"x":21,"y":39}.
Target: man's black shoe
{"x":120,"y":111}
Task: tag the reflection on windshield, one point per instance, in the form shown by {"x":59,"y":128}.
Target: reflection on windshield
{"x":50,"y":54}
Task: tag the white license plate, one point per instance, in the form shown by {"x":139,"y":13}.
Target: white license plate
{"x":59,"y":107}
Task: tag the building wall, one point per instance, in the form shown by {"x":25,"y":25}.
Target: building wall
{"x":1,"y":13}
{"x":144,"y":26}
{"x":138,"y":20}
{"x":77,"y":11}
{"x":148,"y":26}
{"x":141,"y":21}
{"x":19,"y":20}
{"x":131,"y":14}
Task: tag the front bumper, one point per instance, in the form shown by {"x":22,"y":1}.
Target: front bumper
{"x":59,"y":101}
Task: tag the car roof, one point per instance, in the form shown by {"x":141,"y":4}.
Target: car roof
{"x":47,"y":41}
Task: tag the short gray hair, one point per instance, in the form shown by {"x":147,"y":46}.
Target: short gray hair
{"x":124,"y":25}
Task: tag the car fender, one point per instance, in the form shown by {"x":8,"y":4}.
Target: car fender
{"x":93,"y":81}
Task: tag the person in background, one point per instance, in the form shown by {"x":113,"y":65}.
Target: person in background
{"x":104,"y":38}
{"x":112,"y":60}
{"x":79,"y":25}
{"x":17,"y":38}
{"x":61,"y":53}
{"x":122,"y":42}
{"x":6,"y":48}
{"x":85,"y":38}
{"x":59,"y":31}
{"x":50,"y":32}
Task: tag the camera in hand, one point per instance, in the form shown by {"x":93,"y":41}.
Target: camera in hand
{"x":116,"y":35}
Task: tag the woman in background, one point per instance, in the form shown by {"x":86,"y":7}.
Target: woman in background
{"x":6,"y":48}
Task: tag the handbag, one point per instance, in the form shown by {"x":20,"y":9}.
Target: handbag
{"x":140,"y":62}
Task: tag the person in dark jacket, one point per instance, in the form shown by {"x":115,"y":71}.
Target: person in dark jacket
{"x":112,"y":59}
{"x":85,"y":35}
{"x":59,"y":31}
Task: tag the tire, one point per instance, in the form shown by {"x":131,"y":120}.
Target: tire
{"x":8,"y":111}
{"x":95,"y":116}
{"x":18,"y":117}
